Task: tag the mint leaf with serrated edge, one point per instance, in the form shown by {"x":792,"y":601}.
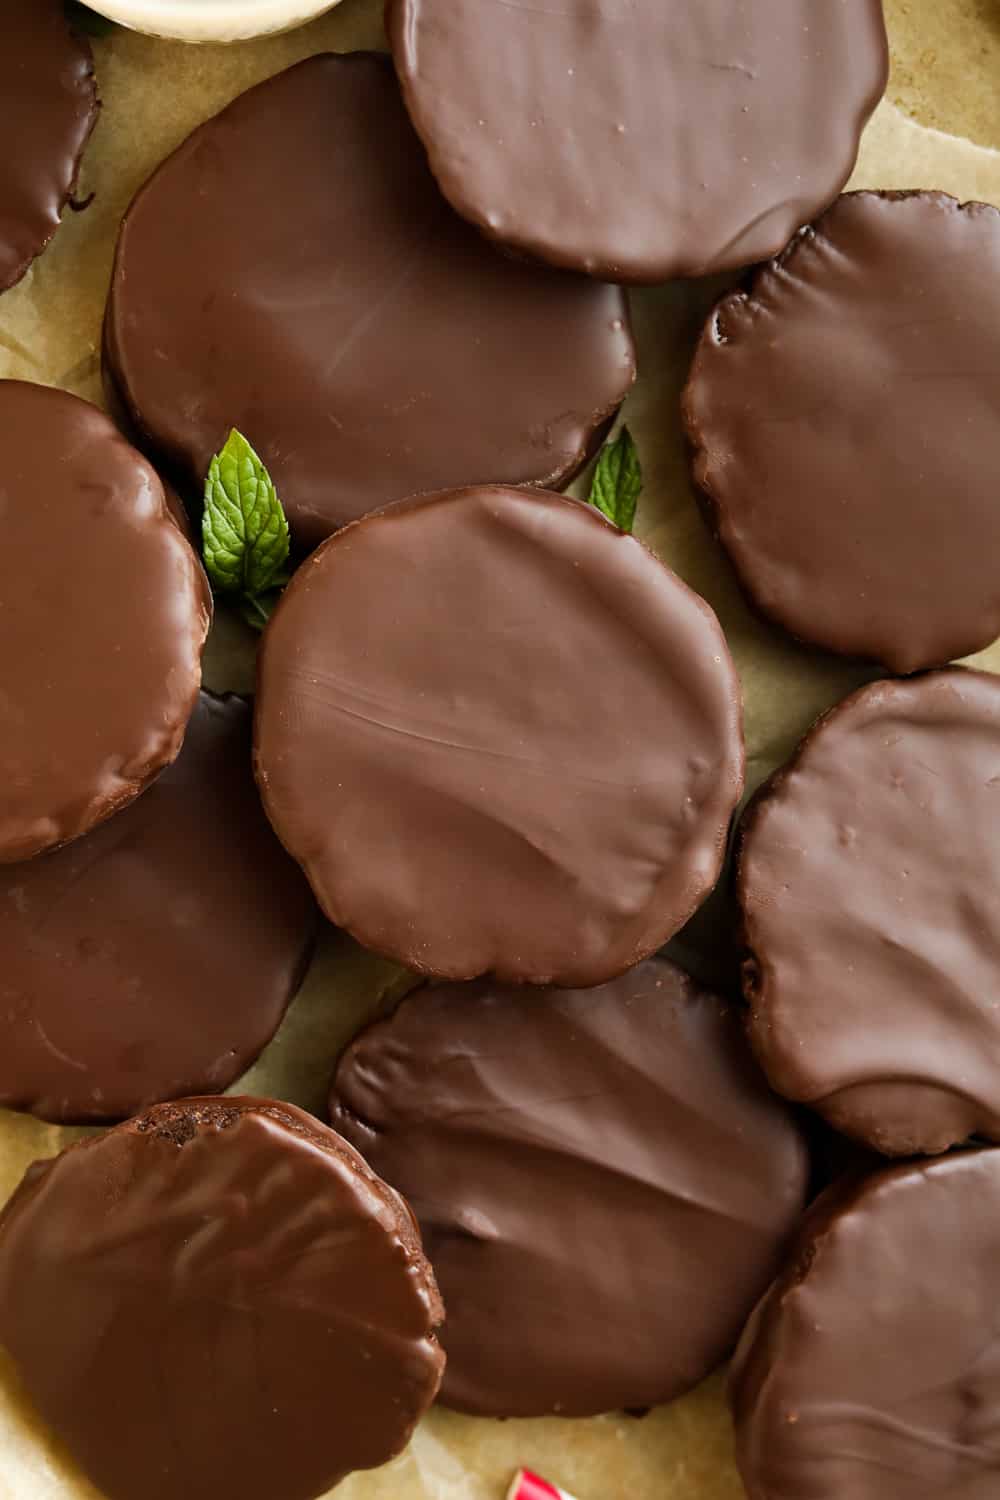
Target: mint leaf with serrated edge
{"x":85,"y":19}
{"x":244,"y":531}
{"x":617,"y":482}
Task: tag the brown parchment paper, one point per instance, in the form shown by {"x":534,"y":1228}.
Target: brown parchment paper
{"x":946,"y":74}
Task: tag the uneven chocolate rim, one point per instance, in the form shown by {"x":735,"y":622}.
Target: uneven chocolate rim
{"x":754,"y":973}
{"x":713,"y":508}
{"x":90,"y":122}
{"x":538,"y":250}
{"x":103,"y":809}
{"x":567,"y":980}
{"x":174,"y":463}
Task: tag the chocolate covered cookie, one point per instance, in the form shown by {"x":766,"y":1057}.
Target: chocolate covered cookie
{"x":48,"y":107}
{"x":640,"y":141}
{"x":867,"y":878}
{"x":869,"y":1371}
{"x":219,"y":1298}
{"x":604,"y":1184}
{"x":156,"y":956}
{"x":845,"y":417}
{"x":368,"y":343}
{"x":500,"y":736}
{"x":105,"y":610}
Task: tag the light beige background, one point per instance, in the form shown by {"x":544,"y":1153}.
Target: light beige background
{"x":946,"y":75}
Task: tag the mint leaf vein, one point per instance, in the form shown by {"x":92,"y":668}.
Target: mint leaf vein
{"x":245,"y":539}
{"x":617,"y":482}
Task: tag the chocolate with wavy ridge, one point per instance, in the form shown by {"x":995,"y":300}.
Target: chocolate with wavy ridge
{"x":867,"y":877}
{"x":219,"y":1298}
{"x":604,"y":1184}
{"x":871,"y":1370}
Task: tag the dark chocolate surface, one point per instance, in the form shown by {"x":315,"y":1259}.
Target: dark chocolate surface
{"x":845,"y":416}
{"x":638,"y":139}
{"x":48,"y":107}
{"x":867,"y":878}
{"x":871,"y":1370}
{"x":156,"y":956}
{"x":500,"y":736}
{"x":218,"y":1299}
{"x":604,"y":1184}
{"x":105,"y":610}
{"x":367,"y":342}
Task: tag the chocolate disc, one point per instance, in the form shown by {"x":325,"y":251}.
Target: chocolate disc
{"x":104,"y":611}
{"x":500,"y":736}
{"x":643,"y":140}
{"x":367,"y":342}
{"x":845,"y":416}
{"x":604,"y":1184}
{"x":869,"y":1371}
{"x":48,"y":107}
{"x":867,"y":878}
{"x":156,"y":956}
{"x":216,"y":1299}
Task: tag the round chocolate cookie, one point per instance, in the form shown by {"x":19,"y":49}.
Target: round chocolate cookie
{"x":845,"y":418}
{"x":500,"y":736}
{"x":104,"y":611}
{"x":219,"y":1298}
{"x":641,"y":140}
{"x":870,"y":1369}
{"x":156,"y":956}
{"x":368,"y":343}
{"x":867,"y":877}
{"x":48,"y":107}
{"x":604,"y":1184}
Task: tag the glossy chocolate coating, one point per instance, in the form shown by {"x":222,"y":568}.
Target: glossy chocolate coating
{"x":156,"y":956}
{"x":867,"y":878}
{"x":845,"y":417}
{"x":500,"y":736}
{"x":367,"y":342}
{"x":604,"y":1184}
{"x":641,"y":139}
{"x":219,"y":1298}
{"x":48,"y":107}
{"x":105,"y":610}
{"x":870,"y":1370}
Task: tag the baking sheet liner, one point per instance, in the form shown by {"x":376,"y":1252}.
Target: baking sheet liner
{"x":946,"y":73}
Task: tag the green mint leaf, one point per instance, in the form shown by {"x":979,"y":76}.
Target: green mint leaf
{"x":257,"y":611}
{"x":85,"y":19}
{"x":618,"y":481}
{"x":244,"y":530}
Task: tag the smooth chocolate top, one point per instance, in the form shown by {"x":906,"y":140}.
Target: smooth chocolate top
{"x":845,"y":416}
{"x":638,"y":139}
{"x":500,"y":736}
{"x":48,"y":107}
{"x":367,"y":342}
{"x":604,"y":1184}
{"x":216,"y":1299}
{"x":156,"y":956}
{"x":105,"y":610}
{"x":867,"y":878}
{"x":871,"y":1370}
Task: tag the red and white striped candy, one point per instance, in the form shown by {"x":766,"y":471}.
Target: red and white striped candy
{"x":528,"y":1486}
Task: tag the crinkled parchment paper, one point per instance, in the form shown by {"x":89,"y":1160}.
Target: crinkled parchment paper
{"x":947,"y":76}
